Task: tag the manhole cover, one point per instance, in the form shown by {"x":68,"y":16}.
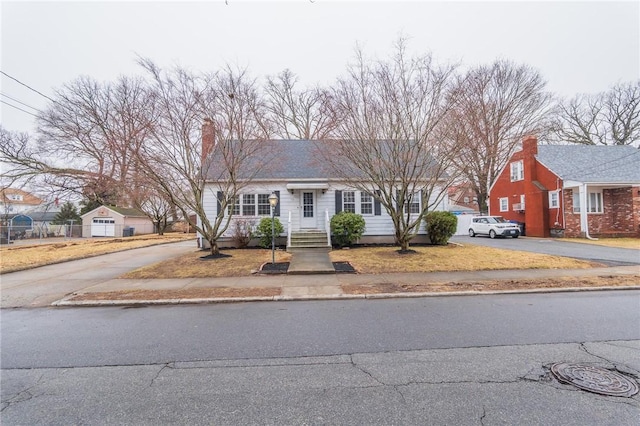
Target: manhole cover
{"x":594,"y":379}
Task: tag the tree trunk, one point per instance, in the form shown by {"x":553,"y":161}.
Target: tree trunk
{"x":482,"y":202}
{"x":215,"y":250}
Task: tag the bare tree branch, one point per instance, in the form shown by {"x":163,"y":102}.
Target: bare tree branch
{"x":389,"y":136}
{"x":495,"y":106}
{"x":608,"y":118}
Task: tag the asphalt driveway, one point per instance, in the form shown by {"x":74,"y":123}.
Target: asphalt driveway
{"x":611,"y":256}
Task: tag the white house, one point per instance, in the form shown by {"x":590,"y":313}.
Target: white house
{"x":309,"y":195}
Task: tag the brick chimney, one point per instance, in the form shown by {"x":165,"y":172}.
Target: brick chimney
{"x":529,"y":151}
{"x":208,"y":138}
{"x":530,"y":145}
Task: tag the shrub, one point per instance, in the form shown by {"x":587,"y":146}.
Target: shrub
{"x":243,"y":232}
{"x":346,"y":228}
{"x":441,"y":226}
{"x":264,"y":230}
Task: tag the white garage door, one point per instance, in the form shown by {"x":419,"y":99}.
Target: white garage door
{"x":103,"y":227}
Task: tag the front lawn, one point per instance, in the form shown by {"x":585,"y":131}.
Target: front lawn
{"x":366,"y":260}
{"x":632,"y":243}
{"x":22,"y":256}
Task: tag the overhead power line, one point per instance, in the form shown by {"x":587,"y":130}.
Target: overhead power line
{"x":27,"y":86}
{"x":16,"y":100}
{"x":18,"y":108}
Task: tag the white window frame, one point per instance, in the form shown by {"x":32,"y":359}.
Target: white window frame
{"x":594,"y":202}
{"x":554,"y":199}
{"x":366,"y":201}
{"x":414,"y":203}
{"x":250,"y":201}
{"x":504,"y":204}
{"x":597,"y":209}
{"x":517,"y":171}
{"x":349,"y":201}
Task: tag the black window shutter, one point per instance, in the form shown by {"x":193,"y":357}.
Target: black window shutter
{"x":219,"y":204}
{"x":377,"y":207}
{"x":338,"y":201}
{"x":276,"y":210}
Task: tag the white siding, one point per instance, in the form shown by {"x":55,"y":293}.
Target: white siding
{"x":290,"y":202}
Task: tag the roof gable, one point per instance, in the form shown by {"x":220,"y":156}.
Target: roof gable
{"x":592,"y":164}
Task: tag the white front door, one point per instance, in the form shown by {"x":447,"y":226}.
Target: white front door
{"x":308,"y":209}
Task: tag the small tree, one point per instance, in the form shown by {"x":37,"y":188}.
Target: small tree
{"x":264,"y":230}
{"x":441,"y":226}
{"x":347,"y":228}
{"x":67,"y":212}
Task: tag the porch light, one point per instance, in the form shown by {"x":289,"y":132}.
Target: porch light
{"x":273,"y":202}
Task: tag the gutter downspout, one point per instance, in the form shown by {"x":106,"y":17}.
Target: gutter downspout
{"x":584,"y":223}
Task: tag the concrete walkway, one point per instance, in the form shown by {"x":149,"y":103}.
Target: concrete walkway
{"x":310,"y":262}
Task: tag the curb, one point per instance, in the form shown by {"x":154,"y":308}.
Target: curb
{"x":67,"y":302}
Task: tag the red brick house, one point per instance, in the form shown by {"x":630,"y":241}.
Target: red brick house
{"x":570,"y":190}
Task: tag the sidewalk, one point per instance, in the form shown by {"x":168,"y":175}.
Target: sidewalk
{"x":329,"y":286}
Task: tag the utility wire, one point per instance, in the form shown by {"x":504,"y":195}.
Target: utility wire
{"x":18,"y":108}
{"x":15,"y":100}
{"x":28,"y":87}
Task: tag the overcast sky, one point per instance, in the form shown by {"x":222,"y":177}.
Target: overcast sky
{"x":579,"y":47}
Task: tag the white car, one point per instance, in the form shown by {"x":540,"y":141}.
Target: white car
{"x":493,"y":226}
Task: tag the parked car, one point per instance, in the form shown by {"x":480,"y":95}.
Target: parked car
{"x":493,"y":226}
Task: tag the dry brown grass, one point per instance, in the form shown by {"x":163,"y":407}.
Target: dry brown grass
{"x":192,"y":265}
{"x":192,"y":293}
{"x":495,"y":285}
{"x":24,"y":256}
{"x":632,"y":243}
{"x":449,"y":287}
{"x":376,"y":260}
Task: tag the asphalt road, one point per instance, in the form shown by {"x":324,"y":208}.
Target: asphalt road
{"x":611,"y":256}
{"x":45,"y":338}
{"x":451,"y":360}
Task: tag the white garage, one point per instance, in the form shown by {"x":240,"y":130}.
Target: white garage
{"x":110,"y":221}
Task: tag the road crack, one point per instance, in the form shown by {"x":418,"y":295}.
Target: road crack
{"x":154,"y":378}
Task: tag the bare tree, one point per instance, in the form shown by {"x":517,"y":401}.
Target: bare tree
{"x":88,"y":137}
{"x":100,"y":128}
{"x":298,"y":114}
{"x":188,"y":173}
{"x":495,"y":106}
{"x":388,"y":141}
{"x":24,"y":162}
{"x":608,"y":118}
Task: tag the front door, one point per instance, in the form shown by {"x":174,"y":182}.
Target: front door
{"x":308,"y":209}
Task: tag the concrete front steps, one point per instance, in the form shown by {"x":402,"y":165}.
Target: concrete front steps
{"x":310,"y":253}
{"x":309,"y":241}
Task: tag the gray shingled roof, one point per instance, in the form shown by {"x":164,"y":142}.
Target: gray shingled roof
{"x":592,"y":164}
{"x":288,"y":160}
{"x":279,"y":160}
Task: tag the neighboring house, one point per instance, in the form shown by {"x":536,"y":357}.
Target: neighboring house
{"x":462,"y":199}
{"x":570,"y":190}
{"x":110,"y":221}
{"x":17,"y":201}
{"x":308,"y":196}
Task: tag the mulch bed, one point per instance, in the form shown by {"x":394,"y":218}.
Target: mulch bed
{"x":283,"y":268}
{"x":343,"y":268}
{"x":275,"y":268}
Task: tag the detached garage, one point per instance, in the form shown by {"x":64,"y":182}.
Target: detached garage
{"x":109,"y":221}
